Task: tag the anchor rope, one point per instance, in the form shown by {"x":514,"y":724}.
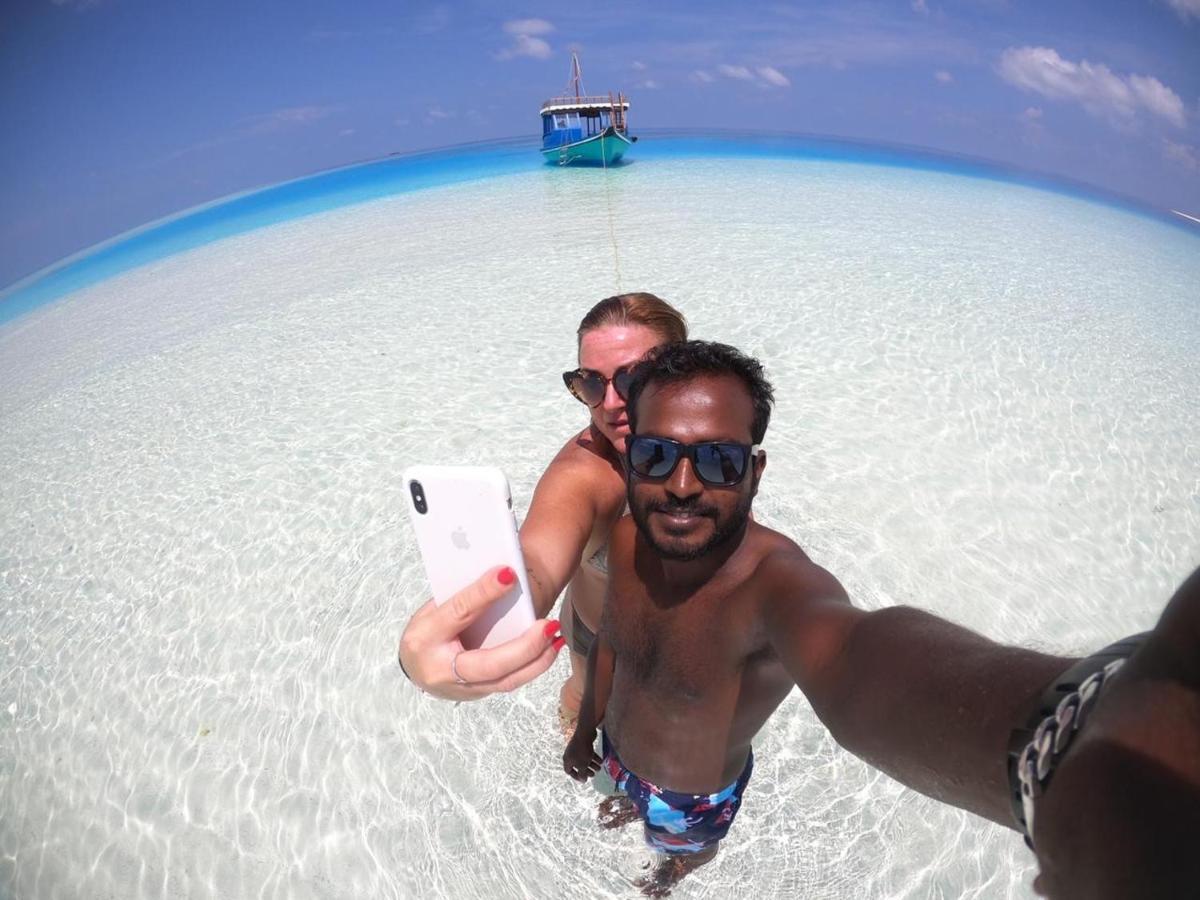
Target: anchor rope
{"x":612,"y":230}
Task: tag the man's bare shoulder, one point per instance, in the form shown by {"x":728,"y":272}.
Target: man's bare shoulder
{"x":784,"y":573}
{"x":804,"y":612}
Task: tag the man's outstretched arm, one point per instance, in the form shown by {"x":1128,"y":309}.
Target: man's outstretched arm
{"x":1121,"y":814}
{"x":934,"y":705}
{"x":928,"y":702}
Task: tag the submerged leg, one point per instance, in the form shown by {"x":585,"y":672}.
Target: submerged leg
{"x":671,"y":869}
{"x":616,"y":811}
{"x":570,"y":696}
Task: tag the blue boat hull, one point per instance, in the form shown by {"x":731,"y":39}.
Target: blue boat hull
{"x":602,"y":149}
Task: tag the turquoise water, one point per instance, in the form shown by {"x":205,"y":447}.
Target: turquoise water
{"x":362,"y":182}
{"x":986,"y":406}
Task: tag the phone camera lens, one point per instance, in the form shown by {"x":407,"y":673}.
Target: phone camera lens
{"x":418,"y":496}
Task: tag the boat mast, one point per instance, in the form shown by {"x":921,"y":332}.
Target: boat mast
{"x":576,"y":74}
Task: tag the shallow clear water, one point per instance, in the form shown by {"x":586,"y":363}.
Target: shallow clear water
{"x":986,"y":408}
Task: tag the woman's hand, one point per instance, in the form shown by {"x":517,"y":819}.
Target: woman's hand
{"x":431,"y":653}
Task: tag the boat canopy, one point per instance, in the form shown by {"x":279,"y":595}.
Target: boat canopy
{"x":583,"y":104}
{"x":567,"y":120}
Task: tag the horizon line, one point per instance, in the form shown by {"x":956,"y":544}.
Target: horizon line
{"x":896,"y":155}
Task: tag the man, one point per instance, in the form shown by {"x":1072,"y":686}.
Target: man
{"x":711,"y":618}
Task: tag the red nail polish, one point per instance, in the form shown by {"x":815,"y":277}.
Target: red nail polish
{"x":506,"y":576}
{"x":559,"y":643}
{"x":551,"y":628}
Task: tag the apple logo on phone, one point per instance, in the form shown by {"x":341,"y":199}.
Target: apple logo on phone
{"x":458,"y":537}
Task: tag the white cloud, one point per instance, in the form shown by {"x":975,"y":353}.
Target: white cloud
{"x":773,"y":76}
{"x":1032,"y":113}
{"x":1158,"y":98}
{"x":739,"y":72}
{"x":1097,"y":88}
{"x":763,"y":76}
{"x":437,"y":114}
{"x":525,"y":41}
{"x":920,"y":6}
{"x":299,"y":115}
{"x":524,"y":45}
{"x":250,"y":127}
{"x":346,"y":132}
{"x":793,"y":36}
{"x":401,"y":122}
{"x":702,"y":77}
{"x":286,"y":118}
{"x":1186,"y":8}
{"x":528,"y":26}
{"x":1185,"y":155}
{"x":943,"y":77}
{"x":650,"y":84}
{"x":639,"y":66}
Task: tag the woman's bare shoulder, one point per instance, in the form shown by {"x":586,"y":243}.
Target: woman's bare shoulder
{"x":590,"y":456}
{"x":587,"y":445}
{"x":585,"y":470}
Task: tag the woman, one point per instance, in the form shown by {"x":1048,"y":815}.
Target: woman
{"x":578,"y":499}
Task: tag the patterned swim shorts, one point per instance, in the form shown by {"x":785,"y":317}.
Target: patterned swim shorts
{"x":678,"y":823}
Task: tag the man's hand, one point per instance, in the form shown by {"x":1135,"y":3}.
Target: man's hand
{"x":580,"y":760}
{"x":431,"y":652}
{"x":1121,"y":817}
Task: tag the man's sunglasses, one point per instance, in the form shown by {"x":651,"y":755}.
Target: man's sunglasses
{"x":716,"y":463}
{"x":589,"y":386}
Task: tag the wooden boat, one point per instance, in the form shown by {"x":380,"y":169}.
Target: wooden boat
{"x":582,"y":130}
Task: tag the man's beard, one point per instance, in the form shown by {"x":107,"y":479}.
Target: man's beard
{"x":723,"y":531}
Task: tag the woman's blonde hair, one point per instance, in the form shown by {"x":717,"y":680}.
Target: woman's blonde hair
{"x":642,"y":309}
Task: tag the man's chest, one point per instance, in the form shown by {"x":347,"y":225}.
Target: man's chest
{"x":693,"y":647}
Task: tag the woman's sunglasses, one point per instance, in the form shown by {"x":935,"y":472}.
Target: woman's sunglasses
{"x":716,"y":463}
{"x":589,"y":386}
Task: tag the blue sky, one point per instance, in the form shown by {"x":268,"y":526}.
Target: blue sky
{"x":117,"y":112}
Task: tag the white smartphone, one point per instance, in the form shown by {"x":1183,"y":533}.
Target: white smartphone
{"x":465,"y":525}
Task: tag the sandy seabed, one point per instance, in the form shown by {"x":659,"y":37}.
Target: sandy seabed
{"x":986,"y":408}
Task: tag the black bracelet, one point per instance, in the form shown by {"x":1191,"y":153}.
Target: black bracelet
{"x":1036,"y":750}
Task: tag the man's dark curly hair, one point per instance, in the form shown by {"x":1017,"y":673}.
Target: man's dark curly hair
{"x":685,"y":360}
